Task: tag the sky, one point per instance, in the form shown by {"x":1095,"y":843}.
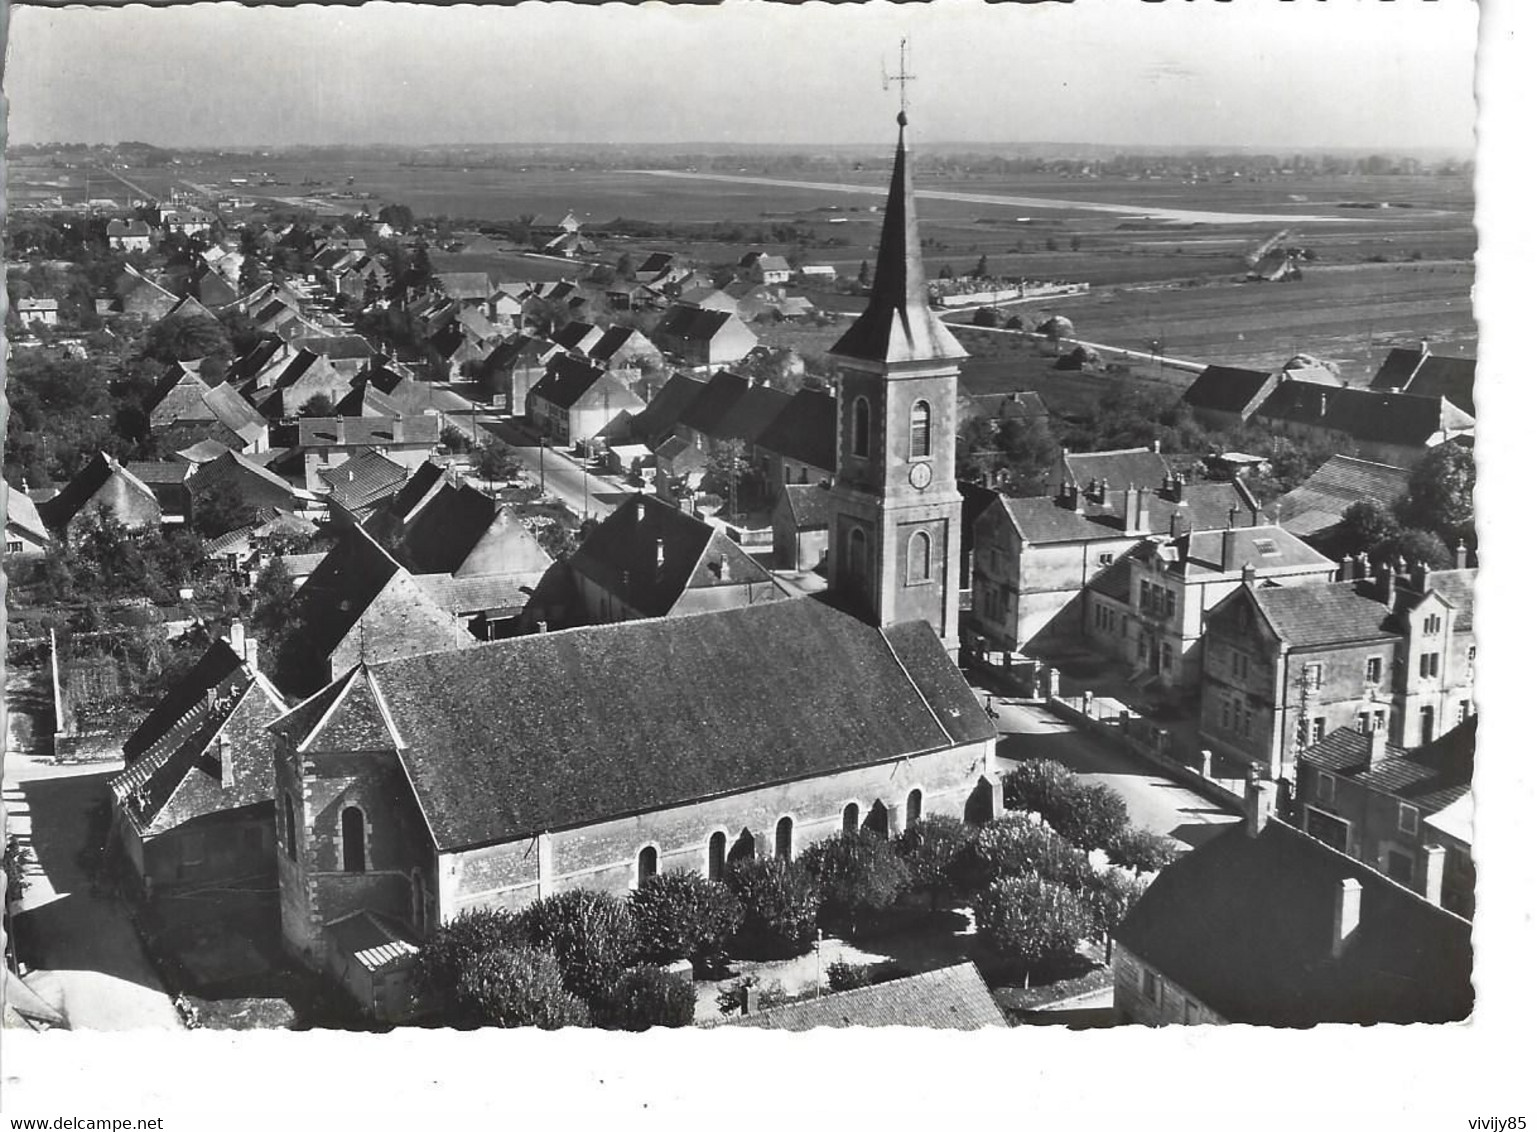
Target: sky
{"x":1270,"y":73}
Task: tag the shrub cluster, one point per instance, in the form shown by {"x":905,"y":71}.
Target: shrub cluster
{"x":1029,"y":921}
{"x":1088,"y":814}
{"x":683,"y":916}
{"x":859,"y":875}
{"x":780,"y":901}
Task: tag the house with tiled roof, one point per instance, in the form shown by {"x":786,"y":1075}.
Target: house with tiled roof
{"x":38,"y":309}
{"x":418,"y":806}
{"x":184,"y":409}
{"x":1391,"y":428}
{"x":648,"y":559}
{"x":1224,"y":397}
{"x":1379,"y":803}
{"x":801,"y":517}
{"x":700,"y":420}
{"x":193,"y":803}
{"x":1096,"y":473}
{"x":1150,"y":612}
{"x":170,"y":481}
{"x":625,"y":348}
{"x":576,"y":402}
{"x":1266,"y":926}
{"x":233,"y":475}
{"x":761,"y":267}
{"x":512,"y":368}
{"x":349,"y":354}
{"x":577,"y":336}
{"x":659,"y":419}
{"x":306,"y":375}
{"x":951,"y":998}
{"x":103,"y":486}
{"x":326,"y":442}
{"x":357,"y":487}
{"x":129,"y":235}
{"x":134,"y":293}
{"x":702,"y":337}
{"x":26,"y":535}
{"x":1033,"y":557}
{"x":1314,"y":509}
{"x":800,"y":445}
{"x":1285,"y":666}
{"x":1429,"y":375}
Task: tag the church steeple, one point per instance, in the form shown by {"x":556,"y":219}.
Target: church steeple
{"x":898,"y":325}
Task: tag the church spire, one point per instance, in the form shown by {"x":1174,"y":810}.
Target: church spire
{"x":898,"y":325}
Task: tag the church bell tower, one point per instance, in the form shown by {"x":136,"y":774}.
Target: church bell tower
{"x":895,"y":540}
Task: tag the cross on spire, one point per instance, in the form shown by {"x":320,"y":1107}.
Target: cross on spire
{"x":902,"y":78}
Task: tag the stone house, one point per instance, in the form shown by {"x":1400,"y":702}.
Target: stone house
{"x":102,"y":486}
{"x":1377,"y":802}
{"x":326,"y":442}
{"x":801,"y":517}
{"x":1225,"y":397}
{"x":1390,"y":428}
{"x":513,"y":367}
{"x":1314,"y":509}
{"x":193,"y":803}
{"x":1429,"y":375}
{"x":415,"y":806}
{"x":129,"y":236}
{"x":647,"y":559}
{"x":761,"y":267}
{"x":575,"y":401}
{"x":184,"y":409}
{"x":1266,"y":926}
{"x":800,"y":445}
{"x":703,"y":338}
{"x":1285,"y":666}
{"x":362,"y":485}
{"x":26,"y":535}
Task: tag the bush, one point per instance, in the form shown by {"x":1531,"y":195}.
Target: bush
{"x":1015,"y":846}
{"x":847,"y":976}
{"x":1142,"y":850}
{"x":1030,"y":922}
{"x":15,"y":862}
{"x":733,"y":999}
{"x":1095,"y":816}
{"x":450,"y":950}
{"x":860,"y":876}
{"x":591,"y":934}
{"x":934,"y":850}
{"x":514,"y":986}
{"x":1041,"y":785}
{"x":649,"y":996}
{"x":780,"y":900}
{"x":683,"y":915}
{"x":1111,"y":895}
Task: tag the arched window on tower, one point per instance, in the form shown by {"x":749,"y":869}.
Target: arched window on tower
{"x":861,"y":427}
{"x":919,"y":435}
{"x":919,"y":558}
{"x":859,"y":556}
{"x":354,"y":858}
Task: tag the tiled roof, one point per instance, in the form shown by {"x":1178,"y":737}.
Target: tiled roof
{"x":1457,"y":586}
{"x":457,"y":522}
{"x":616,"y":338}
{"x":1364,"y":414}
{"x":1341,"y":481}
{"x":22,"y":512}
{"x":1226,"y":389}
{"x":621,"y":555}
{"x":705,"y":412}
{"x":1118,"y":469}
{"x":1023,"y":405}
{"x":565,"y":380}
{"x":160,"y":471}
{"x":733,"y":701}
{"x":252,"y":481}
{"x":751,"y":415}
{"x":660,"y":416}
{"x":204,"y":451}
{"x":810,"y":505}
{"x":465,"y":284}
{"x":805,"y":430}
{"x":1266,"y":548}
{"x":462,"y":596}
{"x":60,"y":509}
{"x":1307,"y":616}
{"x":1429,"y":375}
{"x":952,"y":998}
{"x":216,"y":668}
{"x":329,"y":432}
{"x":1246,"y":926}
{"x":691,"y":324}
{"x":234,"y":412}
{"x":577,"y":335}
{"x":1040,"y":520}
{"x":1432,"y":777}
{"x":363,"y":478}
{"x":337,"y":347}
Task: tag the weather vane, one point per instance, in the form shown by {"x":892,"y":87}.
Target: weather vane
{"x":901,"y":78}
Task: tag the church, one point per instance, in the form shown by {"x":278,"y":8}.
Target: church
{"x":414,"y":789}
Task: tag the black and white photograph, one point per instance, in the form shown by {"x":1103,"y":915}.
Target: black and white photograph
{"x":663,"y":522}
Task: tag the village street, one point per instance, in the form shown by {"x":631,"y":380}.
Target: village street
{"x":84,"y":956}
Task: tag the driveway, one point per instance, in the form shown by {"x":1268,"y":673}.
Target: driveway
{"x":1152,"y":800}
{"x":85,"y":957}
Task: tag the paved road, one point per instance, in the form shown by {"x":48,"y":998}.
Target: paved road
{"x":87,"y":958}
{"x":1152,"y":800}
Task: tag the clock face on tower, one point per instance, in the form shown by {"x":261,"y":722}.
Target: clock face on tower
{"x":920,"y":476}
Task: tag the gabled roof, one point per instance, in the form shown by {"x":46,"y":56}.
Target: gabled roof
{"x":1321,"y":500}
{"x":1330,"y":613}
{"x":1246,"y":926}
{"x":363,"y":478}
{"x":234,"y":412}
{"x":76,"y":495}
{"x":617,"y":338}
{"x":337,"y":347}
{"x":898,"y":325}
{"x":1228,"y":389}
{"x":705,"y":412}
{"x":733,"y":701}
{"x":365,"y":399}
{"x":691,"y":324}
{"x":577,"y":335}
{"x":351,"y":432}
{"x":1432,"y":777}
{"x":1116,"y":469}
{"x":251,"y":480}
{"x":660,"y":416}
{"x":1365,"y":414}
{"x":1429,"y":375}
{"x":21,"y":512}
{"x":465,"y":284}
{"x":751,"y":414}
{"x":216,"y":669}
{"x":1025,"y":405}
{"x":458,"y":524}
{"x":951,"y":998}
{"x":648,"y":554}
{"x":1041,"y":521}
{"x":806,"y":430}
{"x":1266,"y":548}
{"x":810,"y":505}
{"x":565,"y":380}
{"x":189,"y":307}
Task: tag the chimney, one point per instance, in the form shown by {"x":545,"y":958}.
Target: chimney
{"x":1347,"y":914}
{"x":1377,"y":750}
{"x":1362,"y":566}
{"x":750,"y":999}
{"x":541,"y":626}
{"x":1157,"y":446}
{"x":237,"y":637}
{"x":1144,"y":512}
{"x":1258,"y":805}
{"x":1418,"y":577}
{"x":1232,"y":516}
{"x":1460,"y":555}
{"x":1347,"y":569}
{"x":1248,"y":573}
{"x":1387,"y":585}
{"x":1177,"y":487}
{"x":397,"y":428}
{"x":1434,"y":857}
{"x":1132,"y":513}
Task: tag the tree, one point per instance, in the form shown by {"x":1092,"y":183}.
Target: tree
{"x":1088,"y":814}
{"x":864,"y":273}
{"x":591,"y":933}
{"x":1039,"y":785}
{"x":398,"y":216}
{"x":945,"y":272}
{"x":272,"y":601}
{"x":495,"y":461}
{"x":1413,"y":546}
{"x":933,"y":849}
{"x":512,"y":986}
{"x":450,"y":948}
{"x":780,"y":900}
{"x":860,"y":876}
{"x":1030,"y":922}
{"x":1440,"y":494}
{"x":980,"y":270}
{"x":218,"y":508}
{"x":1109,"y":897}
{"x":319,"y":405}
{"x":648,"y":996}
{"x":985,"y":316}
{"x":681,"y":916}
{"x":1142,"y":850}
{"x":1015,"y":455}
{"x":1364,"y":525}
{"x":182,"y":338}
{"x":624,"y":268}
{"x":723,"y":471}
{"x":1014,"y":845}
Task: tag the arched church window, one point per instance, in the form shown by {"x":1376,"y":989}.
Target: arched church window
{"x":919,"y":435}
{"x":859,"y":555}
{"x":784,"y":838}
{"x":919,"y":558}
{"x":716,"y":865}
{"x":914,"y":807}
{"x":645,"y":866}
{"x":861,"y":427}
{"x":851,"y":818}
{"x":354,"y":859}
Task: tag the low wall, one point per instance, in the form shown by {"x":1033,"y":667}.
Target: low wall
{"x":1112,"y":720}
